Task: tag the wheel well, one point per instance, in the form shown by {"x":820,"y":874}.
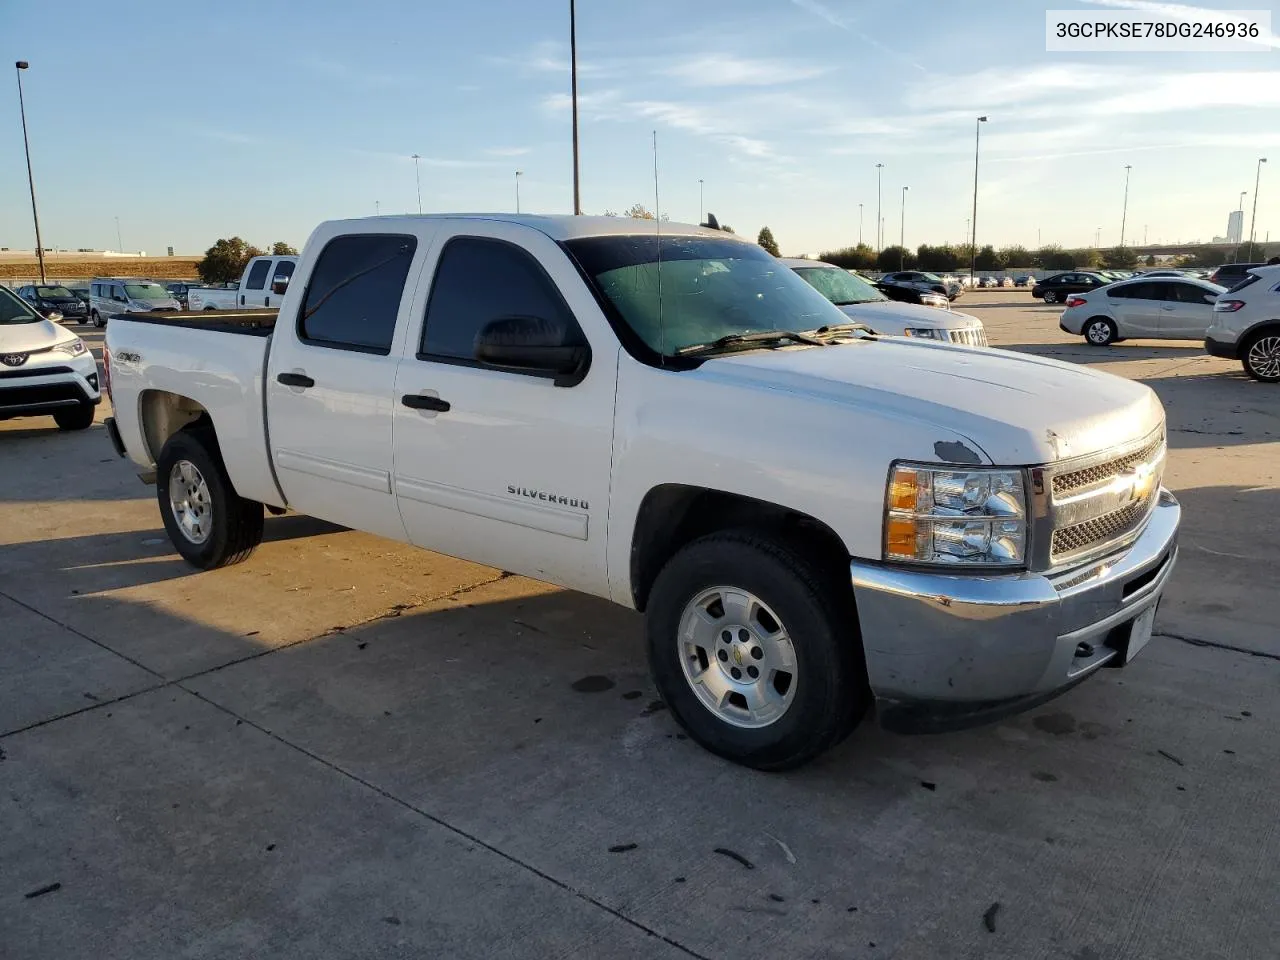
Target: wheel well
{"x":164,"y":414}
{"x":1265,"y":327}
{"x":673,"y":515}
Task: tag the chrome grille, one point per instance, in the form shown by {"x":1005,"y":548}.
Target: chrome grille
{"x":1106,"y":472}
{"x":1103,"y":529}
{"x":969,"y":336}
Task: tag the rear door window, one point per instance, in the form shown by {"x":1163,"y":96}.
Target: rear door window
{"x":354,"y":293}
{"x":258,"y":275}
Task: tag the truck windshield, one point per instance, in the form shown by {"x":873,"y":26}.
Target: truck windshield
{"x":839,"y":286}
{"x":711,"y":288}
{"x":15,"y":310}
{"x":146,"y":291}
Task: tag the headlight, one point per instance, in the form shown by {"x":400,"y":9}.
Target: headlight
{"x":929,"y":333}
{"x":952,"y":515}
{"x":72,"y":348}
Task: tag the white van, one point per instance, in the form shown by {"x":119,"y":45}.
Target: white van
{"x":109,"y":296}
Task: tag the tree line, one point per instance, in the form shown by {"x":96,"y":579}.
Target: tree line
{"x":225,"y":261}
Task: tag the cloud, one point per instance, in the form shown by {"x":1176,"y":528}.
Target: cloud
{"x":724,"y":70}
{"x":824,"y":12}
{"x":697,"y":120}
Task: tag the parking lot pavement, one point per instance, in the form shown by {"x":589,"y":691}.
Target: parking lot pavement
{"x":345,"y":747}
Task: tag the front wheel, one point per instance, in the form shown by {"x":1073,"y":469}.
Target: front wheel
{"x":755,"y":650}
{"x":1261,"y":359}
{"x":209,"y":524}
{"x":1050,"y":296}
{"x":79,"y":417}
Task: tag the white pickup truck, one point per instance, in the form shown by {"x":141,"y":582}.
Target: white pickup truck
{"x":255,"y":291}
{"x":813,"y":519}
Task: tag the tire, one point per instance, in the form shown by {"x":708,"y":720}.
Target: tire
{"x":1100,"y":332}
{"x":1051,"y":296}
{"x":96,"y":319}
{"x":75,"y":418}
{"x":209,"y":524}
{"x":773,"y":589}
{"x":1261,"y":356}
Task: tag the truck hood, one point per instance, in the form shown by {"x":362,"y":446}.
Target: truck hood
{"x":1013,"y":409}
{"x":909,"y":314}
{"x":25,"y":337}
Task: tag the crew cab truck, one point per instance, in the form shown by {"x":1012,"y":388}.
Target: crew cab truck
{"x":256,"y":289}
{"x":812,"y":519}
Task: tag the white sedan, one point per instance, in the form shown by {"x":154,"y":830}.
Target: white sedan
{"x":1163,"y":308}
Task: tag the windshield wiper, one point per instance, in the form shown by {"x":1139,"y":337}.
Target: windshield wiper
{"x":847,"y":303}
{"x":835,"y":329}
{"x":759,"y":338}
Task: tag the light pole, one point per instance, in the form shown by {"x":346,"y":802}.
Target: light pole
{"x":519,"y":173}
{"x":902,"y":233}
{"x":973,"y":240}
{"x":859,"y":224}
{"x":417,"y":179}
{"x":701,"y":214}
{"x":1253,"y":219}
{"x":119,"y":242}
{"x":377,"y":209}
{"x":573,"y":84}
{"x":1097,"y":237}
{"x":879,"y":216}
{"x":31,"y":180}
{"x":1124,"y":214}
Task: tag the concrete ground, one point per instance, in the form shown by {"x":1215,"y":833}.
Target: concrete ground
{"x":349,"y":748}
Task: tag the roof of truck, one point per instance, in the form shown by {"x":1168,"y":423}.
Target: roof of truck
{"x":565,"y":226}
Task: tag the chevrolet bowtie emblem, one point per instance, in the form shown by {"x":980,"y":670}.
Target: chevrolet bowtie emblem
{"x":1144,"y":481}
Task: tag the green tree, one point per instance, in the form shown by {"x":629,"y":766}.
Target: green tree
{"x":861,"y":257}
{"x":896,"y":258}
{"x":765,"y":239}
{"x":1151,"y":259}
{"x":1015,"y":256}
{"x":225,"y":261}
{"x":1088,"y":258}
{"x":988,"y":259}
{"x":1053,"y":257}
{"x":941,"y":259}
{"x":1120,"y":258}
{"x":638,"y":211}
{"x":282,"y":249}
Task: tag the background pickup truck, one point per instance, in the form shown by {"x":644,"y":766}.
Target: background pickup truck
{"x":813,"y":519}
{"x":255,"y":289}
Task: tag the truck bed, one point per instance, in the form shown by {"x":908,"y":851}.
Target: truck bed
{"x":254,"y":323}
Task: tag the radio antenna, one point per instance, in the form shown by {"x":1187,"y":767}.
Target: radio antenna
{"x":657,"y":224}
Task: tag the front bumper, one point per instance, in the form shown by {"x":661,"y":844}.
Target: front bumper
{"x":1221,"y":348}
{"x":946,"y":652}
{"x":49,"y":384}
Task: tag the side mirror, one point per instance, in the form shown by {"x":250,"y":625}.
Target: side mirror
{"x":279,"y":285}
{"x":534,"y":345}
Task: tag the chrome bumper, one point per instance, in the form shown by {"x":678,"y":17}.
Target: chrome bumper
{"x":946,"y":652}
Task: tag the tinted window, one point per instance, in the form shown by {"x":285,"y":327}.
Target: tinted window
{"x":258,"y":275}
{"x":479,"y":280}
{"x":1188,"y":293}
{"x":284,"y":269}
{"x":1143,"y":291}
{"x":354,"y":293}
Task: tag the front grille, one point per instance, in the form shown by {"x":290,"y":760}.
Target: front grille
{"x":969,"y":336}
{"x":32,"y":372}
{"x":1065,"y":483}
{"x":1103,"y":529}
{"x":12,"y":398}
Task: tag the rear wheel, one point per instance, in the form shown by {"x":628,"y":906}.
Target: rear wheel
{"x":755,"y":650}
{"x":1051,"y":296}
{"x":75,"y":418}
{"x":97,"y":320}
{"x":1261,"y":357}
{"x":1100,"y":331}
{"x":209,"y":524}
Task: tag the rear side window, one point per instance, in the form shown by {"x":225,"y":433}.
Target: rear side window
{"x":1190,"y":293}
{"x":1137,"y":291}
{"x":354,"y":293}
{"x":258,"y":275}
{"x":478,"y":280}
{"x":284,"y":270}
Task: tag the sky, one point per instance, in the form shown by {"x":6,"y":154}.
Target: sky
{"x":260,"y":119}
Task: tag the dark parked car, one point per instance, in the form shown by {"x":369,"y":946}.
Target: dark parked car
{"x":910,"y":294}
{"x":178,"y":291}
{"x":47,"y":298}
{"x":925,"y":282}
{"x":1229,"y":274}
{"x":1057,"y":288}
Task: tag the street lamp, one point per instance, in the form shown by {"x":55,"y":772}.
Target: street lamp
{"x":119,"y":242}
{"x":519,"y":173}
{"x":701,"y":215}
{"x":31,"y":180}
{"x":902,"y":233}
{"x":859,"y":224}
{"x":973,"y":240}
{"x":1253,"y":219}
{"x":879,"y":216}
{"x":417,"y":179}
{"x":573,"y":84}
{"x":1124,"y":214}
